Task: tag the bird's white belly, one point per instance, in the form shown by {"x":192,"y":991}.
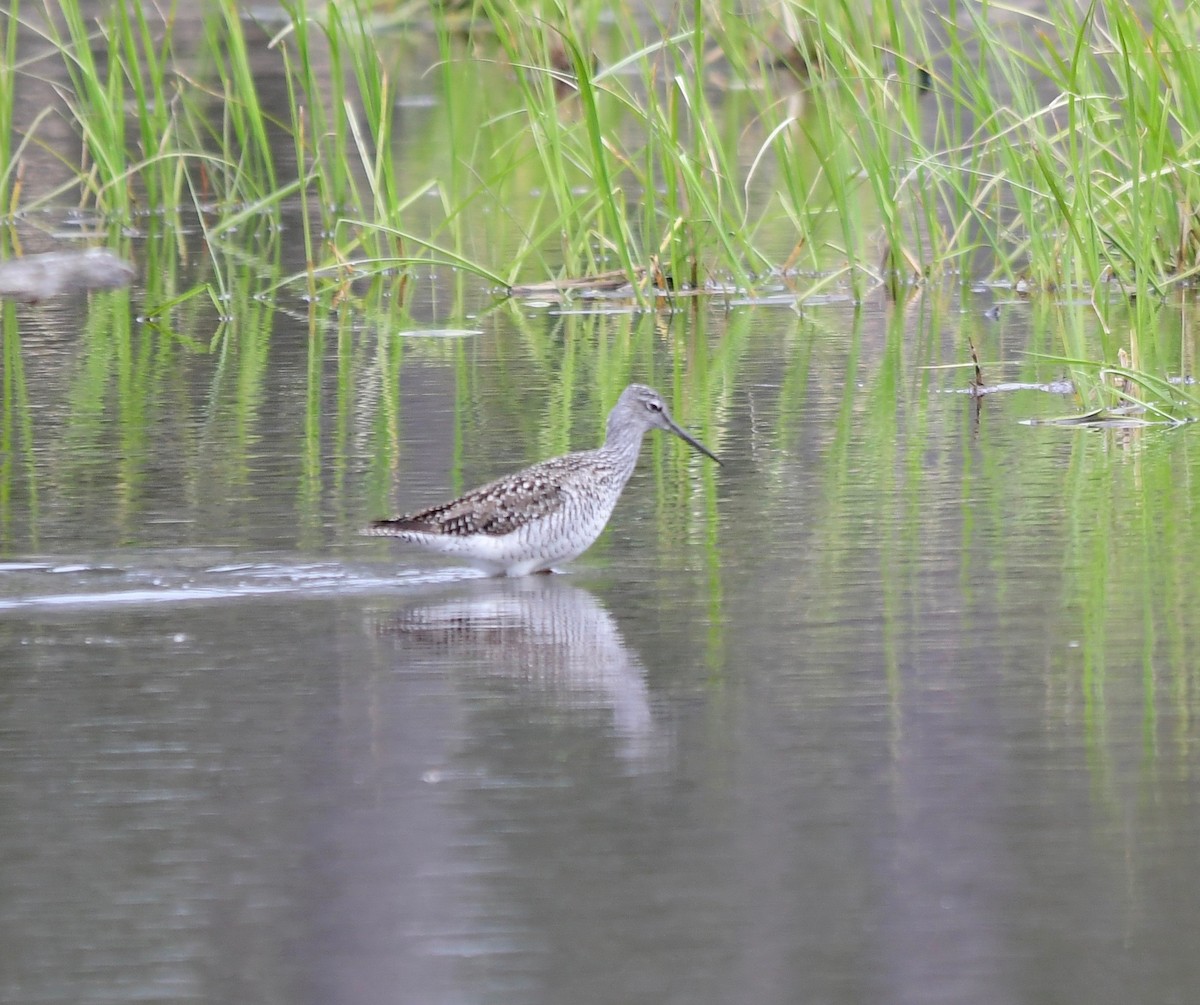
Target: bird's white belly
{"x":557,"y":537}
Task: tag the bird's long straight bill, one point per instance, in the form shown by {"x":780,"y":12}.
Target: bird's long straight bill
{"x":684,"y":435}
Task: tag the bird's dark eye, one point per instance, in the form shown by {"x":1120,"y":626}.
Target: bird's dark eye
{"x":654,"y":406}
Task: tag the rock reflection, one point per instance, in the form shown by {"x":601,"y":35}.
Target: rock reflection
{"x":555,"y":639}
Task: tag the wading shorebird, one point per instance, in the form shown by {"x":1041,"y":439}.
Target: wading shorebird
{"x":550,"y":512}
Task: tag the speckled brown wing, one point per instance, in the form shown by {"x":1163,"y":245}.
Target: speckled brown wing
{"x":495,"y":509}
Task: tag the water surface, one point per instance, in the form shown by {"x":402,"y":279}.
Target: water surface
{"x":896,"y":705}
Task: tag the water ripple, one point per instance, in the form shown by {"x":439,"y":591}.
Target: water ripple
{"x":175,"y":578}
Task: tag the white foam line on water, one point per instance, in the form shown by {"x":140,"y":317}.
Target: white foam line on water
{"x":325,"y":585}
{"x":122,"y":597}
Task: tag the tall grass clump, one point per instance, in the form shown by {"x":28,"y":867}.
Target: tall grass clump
{"x":901,"y":145}
{"x":152,"y":131}
{"x":634,"y":164}
{"x":96,"y":103}
{"x":8,"y":80}
{"x":684,"y":146}
{"x":317,"y":101}
{"x":567,"y":130}
{"x":141,"y":56}
{"x":241,"y":138}
{"x":1092,"y":129}
{"x":862,"y":121}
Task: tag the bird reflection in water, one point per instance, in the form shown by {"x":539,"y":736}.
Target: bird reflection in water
{"x":556,"y":640}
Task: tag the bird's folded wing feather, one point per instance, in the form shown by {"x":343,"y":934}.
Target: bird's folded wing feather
{"x":495,"y":509}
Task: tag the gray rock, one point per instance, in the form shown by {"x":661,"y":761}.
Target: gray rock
{"x":39,"y":277}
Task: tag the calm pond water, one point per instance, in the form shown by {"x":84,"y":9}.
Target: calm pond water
{"x":899,"y":705}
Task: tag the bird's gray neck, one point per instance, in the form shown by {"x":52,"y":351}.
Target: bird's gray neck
{"x":623,"y":442}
